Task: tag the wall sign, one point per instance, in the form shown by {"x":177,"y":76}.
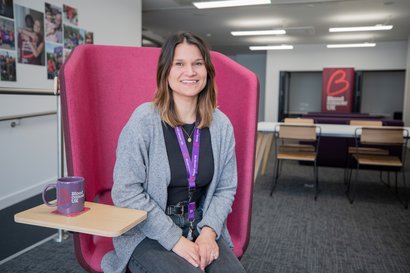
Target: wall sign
{"x":337,"y":89}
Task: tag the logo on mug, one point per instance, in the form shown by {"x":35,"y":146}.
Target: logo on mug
{"x":76,"y":195}
{"x":63,"y":197}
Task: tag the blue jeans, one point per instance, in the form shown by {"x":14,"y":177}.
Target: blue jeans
{"x":151,"y":257}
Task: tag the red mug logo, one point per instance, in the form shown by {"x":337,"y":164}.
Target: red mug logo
{"x":337,"y":81}
{"x":63,"y":197}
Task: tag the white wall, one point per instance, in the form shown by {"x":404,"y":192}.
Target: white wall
{"x":406,"y":112}
{"x":384,"y":56}
{"x":28,"y":152}
{"x":255,"y":62}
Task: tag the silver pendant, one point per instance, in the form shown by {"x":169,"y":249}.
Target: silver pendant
{"x":189,"y":236}
{"x":189,"y":139}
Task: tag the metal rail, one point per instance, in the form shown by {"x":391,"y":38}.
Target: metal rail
{"x":26,"y":91}
{"x":14,"y":123}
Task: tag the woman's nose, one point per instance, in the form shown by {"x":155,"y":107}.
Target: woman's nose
{"x":190,"y":70}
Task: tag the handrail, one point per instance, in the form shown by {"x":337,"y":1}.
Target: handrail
{"x":26,"y":91}
{"x":31,"y":115}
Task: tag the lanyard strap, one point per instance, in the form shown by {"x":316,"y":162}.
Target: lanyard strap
{"x":191,"y":165}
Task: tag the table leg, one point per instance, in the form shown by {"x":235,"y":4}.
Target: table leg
{"x":263,"y":145}
{"x":266,"y":152}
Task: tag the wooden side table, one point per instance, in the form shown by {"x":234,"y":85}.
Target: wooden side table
{"x":100,"y":219}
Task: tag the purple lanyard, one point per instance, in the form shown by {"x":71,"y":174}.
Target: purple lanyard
{"x":191,"y":165}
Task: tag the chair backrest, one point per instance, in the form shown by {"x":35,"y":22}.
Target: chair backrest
{"x":360,"y":122}
{"x":100,"y":88}
{"x":299,"y":120}
{"x":382,"y":136}
{"x":298,"y":132}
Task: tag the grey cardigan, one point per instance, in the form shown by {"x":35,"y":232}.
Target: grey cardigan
{"x":142,"y":175}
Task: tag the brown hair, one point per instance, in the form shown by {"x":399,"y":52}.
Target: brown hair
{"x":163,"y":98}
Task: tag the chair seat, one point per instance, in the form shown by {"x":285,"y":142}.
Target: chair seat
{"x":368,"y":150}
{"x":296,"y":147}
{"x":378,"y":160}
{"x":297,"y":155}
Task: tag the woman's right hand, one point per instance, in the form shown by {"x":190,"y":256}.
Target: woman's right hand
{"x":187,"y":250}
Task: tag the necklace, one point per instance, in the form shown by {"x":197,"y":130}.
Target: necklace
{"x":188,"y":135}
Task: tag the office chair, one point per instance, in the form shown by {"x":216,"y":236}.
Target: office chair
{"x":382,"y":136}
{"x":100,"y":88}
{"x":264,"y":144}
{"x":352,"y":149}
{"x":286,"y":135}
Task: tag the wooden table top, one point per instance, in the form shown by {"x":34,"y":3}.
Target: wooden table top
{"x":100,"y":219}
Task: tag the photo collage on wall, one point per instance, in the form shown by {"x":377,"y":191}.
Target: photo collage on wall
{"x":7,"y":42}
{"x":43,"y":39}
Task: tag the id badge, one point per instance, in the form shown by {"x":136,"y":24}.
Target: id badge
{"x":191,"y":211}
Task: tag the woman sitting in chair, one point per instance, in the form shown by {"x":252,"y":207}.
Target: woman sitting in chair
{"x":176,"y":160}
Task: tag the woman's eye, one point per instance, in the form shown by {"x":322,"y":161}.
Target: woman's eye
{"x":199,"y":63}
{"x":179,"y":64}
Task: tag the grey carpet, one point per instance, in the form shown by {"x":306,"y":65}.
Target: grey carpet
{"x":293,"y":233}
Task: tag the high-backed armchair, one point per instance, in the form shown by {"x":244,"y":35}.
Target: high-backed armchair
{"x":100,"y":88}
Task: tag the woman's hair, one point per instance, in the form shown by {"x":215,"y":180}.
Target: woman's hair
{"x":163,"y":98}
{"x":29,"y":21}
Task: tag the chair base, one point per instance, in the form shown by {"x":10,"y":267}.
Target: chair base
{"x":276,"y":175}
{"x":351,"y":188}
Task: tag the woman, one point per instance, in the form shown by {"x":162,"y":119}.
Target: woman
{"x":176,"y":160}
{"x":31,"y":42}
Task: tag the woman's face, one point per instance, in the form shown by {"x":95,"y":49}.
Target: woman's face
{"x":58,"y":19}
{"x":37,"y":26}
{"x":49,"y":16}
{"x":187,"y":76}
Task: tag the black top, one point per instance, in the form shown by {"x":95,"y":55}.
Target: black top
{"x":178,"y":188}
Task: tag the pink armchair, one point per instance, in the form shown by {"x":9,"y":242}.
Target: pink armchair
{"x":101,"y":86}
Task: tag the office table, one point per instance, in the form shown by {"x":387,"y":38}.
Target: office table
{"x":328,"y":130}
{"x":100,"y":219}
{"x":265,"y":139}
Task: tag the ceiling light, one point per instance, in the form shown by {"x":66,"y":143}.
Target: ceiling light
{"x":280,"y":47}
{"x":368,"y":28}
{"x":229,"y":3}
{"x":259,"y":32}
{"x":351,"y":45}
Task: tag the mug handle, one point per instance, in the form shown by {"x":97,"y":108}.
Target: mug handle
{"x":49,"y":186}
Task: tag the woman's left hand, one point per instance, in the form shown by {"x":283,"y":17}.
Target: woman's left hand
{"x":208,"y":248}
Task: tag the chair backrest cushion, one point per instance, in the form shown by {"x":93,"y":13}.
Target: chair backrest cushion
{"x":360,"y":122}
{"x":298,"y":132}
{"x":299,"y":120}
{"x":382,"y":136}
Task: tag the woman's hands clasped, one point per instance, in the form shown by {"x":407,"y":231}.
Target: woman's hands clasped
{"x":208,"y":248}
{"x":187,"y":250}
{"x":201,"y":253}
